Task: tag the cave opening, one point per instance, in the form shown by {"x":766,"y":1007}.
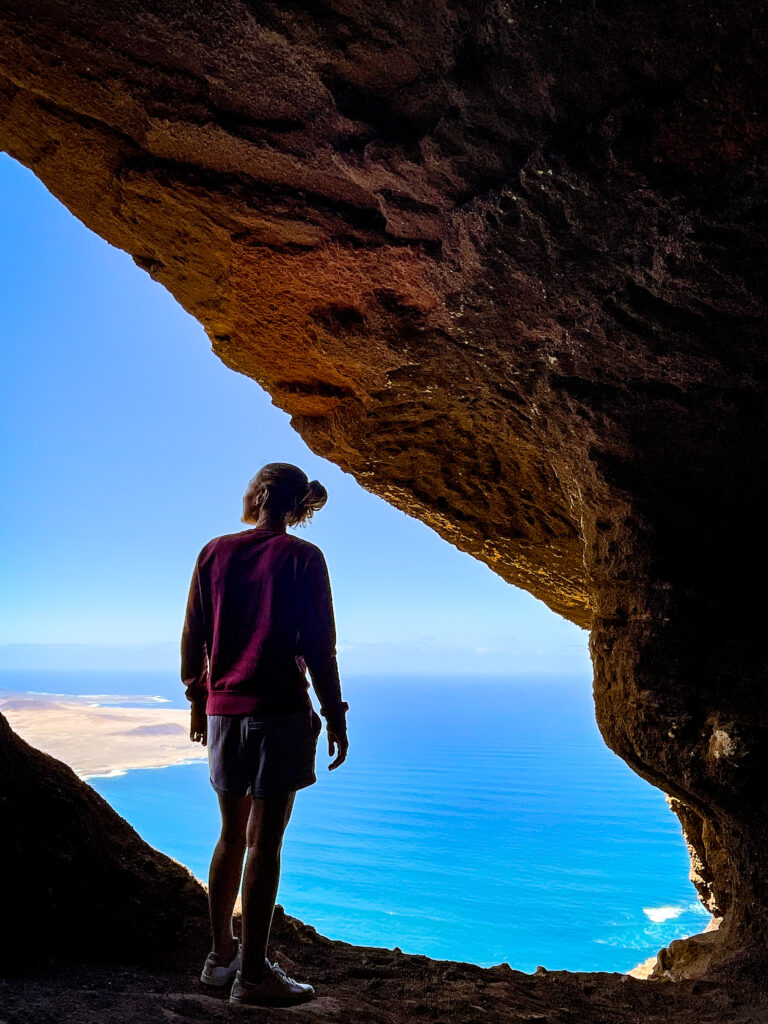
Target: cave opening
{"x":545,"y":340}
{"x":501,"y":772}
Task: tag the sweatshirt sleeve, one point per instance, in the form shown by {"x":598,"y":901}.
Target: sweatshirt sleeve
{"x":317,"y":639}
{"x":194,"y":661}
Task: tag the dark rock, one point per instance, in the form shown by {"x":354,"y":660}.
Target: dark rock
{"x":78,"y":882}
{"x":356,"y":984}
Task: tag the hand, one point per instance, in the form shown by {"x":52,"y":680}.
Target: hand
{"x":338,"y":743}
{"x":198,"y":728}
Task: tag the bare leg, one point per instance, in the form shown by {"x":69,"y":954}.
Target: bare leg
{"x":226,"y":869}
{"x":266,"y":826}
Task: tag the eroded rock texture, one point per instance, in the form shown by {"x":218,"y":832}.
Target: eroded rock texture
{"x":503,"y":262}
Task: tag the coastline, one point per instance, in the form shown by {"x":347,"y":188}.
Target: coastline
{"x":99,"y":741}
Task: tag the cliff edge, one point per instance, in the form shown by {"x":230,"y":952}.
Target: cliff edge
{"x":97,"y":925}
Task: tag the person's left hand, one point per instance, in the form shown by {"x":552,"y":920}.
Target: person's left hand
{"x":338,"y":744}
{"x":198,"y":728}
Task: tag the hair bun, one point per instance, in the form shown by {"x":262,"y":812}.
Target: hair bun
{"x":282,"y":491}
{"x":315,"y":496}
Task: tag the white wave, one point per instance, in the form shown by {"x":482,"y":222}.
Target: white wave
{"x":660,"y":914}
{"x":23,"y":698}
{"x":96,"y":700}
{"x":114,"y":773}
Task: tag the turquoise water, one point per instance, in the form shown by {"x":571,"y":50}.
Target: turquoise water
{"x":476,"y":819}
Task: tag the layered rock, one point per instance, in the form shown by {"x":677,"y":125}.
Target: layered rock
{"x":505,"y":264}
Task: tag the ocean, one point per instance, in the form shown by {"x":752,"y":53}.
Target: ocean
{"x":476,"y":819}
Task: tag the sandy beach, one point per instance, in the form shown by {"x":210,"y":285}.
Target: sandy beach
{"x":96,"y":740}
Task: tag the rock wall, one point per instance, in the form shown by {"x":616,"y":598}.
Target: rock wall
{"x":78,"y":882}
{"x":505,"y":263}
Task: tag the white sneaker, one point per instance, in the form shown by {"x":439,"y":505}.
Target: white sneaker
{"x":219,"y":972}
{"x":275,"y":988}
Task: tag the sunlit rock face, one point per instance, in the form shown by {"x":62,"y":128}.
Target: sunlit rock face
{"x":505,"y":263}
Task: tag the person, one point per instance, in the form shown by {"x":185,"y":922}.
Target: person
{"x":259,"y":614}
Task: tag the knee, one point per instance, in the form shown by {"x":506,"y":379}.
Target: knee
{"x":259,"y":846}
{"x":233,"y":837}
{"x":266,"y":825}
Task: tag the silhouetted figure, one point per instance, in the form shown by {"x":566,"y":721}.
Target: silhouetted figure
{"x":259,"y":614}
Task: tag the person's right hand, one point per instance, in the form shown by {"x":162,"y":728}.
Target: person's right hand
{"x":198,"y":726}
{"x":338,"y":744}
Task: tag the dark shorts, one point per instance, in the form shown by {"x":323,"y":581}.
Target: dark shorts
{"x":262,"y":755}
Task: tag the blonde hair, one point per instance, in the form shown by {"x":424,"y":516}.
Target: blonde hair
{"x":285,"y":492}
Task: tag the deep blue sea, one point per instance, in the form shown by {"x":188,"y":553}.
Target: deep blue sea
{"x":476,"y":819}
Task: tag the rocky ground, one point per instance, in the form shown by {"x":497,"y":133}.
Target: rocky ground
{"x":381,"y":986}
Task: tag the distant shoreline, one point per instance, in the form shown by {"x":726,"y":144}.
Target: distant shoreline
{"x":102,"y":741}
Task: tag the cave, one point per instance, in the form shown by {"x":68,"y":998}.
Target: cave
{"x":507,"y":267}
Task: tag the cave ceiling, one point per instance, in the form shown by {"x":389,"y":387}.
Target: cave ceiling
{"x":502,"y":262}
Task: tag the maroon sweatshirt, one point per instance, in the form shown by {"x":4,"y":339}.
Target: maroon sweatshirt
{"x":259,"y":610}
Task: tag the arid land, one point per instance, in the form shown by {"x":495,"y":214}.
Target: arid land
{"x":95,"y":739}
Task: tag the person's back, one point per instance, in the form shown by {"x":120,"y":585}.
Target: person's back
{"x":259,"y":611}
{"x":260,"y":606}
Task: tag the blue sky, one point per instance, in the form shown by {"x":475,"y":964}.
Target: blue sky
{"x":128,"y":445}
